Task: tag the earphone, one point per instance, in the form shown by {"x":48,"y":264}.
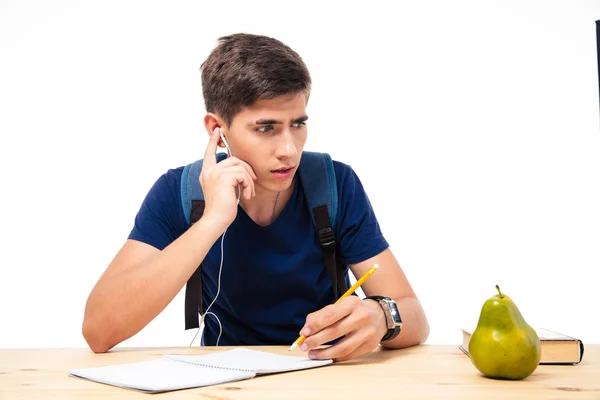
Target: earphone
{"x":225,"y":141}
{"x":230,"y":154}
{"x":202,"y":317}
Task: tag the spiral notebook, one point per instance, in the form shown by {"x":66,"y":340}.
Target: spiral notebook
{"x":174,"y":372}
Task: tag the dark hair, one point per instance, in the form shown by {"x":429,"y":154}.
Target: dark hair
{"x":244,"y":68}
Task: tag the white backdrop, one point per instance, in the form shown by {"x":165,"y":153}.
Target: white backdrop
{"x":473,"y":125}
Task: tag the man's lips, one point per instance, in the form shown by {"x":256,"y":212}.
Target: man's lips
{"x":284,"y":169}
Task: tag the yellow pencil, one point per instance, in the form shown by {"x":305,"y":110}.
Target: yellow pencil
{"x":359,"y":282}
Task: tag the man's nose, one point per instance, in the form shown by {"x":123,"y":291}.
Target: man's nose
{"x":286,"y":146}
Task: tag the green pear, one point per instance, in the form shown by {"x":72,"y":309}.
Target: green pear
{"x":504,"y":346}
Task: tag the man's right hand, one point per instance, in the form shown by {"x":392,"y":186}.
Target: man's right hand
{"x":220,"y":182}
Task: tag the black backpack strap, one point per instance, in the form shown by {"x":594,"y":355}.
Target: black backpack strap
{"x":335,"y":269}
{"x":317,"y":176}
{"x":192,"y":203}
{"x":193,"y":289}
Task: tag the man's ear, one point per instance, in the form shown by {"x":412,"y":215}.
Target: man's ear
{"x":212,"y":121}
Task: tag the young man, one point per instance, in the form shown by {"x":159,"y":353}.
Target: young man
{"x":273,"y":282}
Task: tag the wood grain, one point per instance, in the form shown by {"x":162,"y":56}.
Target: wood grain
{"x":423,"y":372}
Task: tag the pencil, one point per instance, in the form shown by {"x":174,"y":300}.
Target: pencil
{"x":359,"y":282}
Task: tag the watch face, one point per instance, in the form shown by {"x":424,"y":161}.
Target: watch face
{"x":394,"y":312}
{"x":387,"y":312}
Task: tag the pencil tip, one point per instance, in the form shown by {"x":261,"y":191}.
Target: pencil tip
{"x":292,"y":347}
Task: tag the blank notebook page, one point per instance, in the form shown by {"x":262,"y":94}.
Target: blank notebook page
{"x":252,"y":360}
{"x":160,"y":375}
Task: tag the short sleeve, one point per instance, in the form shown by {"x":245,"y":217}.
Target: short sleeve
{"x":360,"y":236}
{"x":160,"y":219}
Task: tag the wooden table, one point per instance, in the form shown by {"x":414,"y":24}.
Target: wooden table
{"x":424,"y":372}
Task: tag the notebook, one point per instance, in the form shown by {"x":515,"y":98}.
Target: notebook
{"x":175,"y":372}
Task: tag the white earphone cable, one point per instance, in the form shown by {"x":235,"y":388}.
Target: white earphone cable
{"x":203,"y":317}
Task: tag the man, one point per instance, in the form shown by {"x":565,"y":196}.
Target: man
{"x":273,"y":284}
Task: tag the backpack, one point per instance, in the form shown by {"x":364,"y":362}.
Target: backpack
{"x":317,"y":177}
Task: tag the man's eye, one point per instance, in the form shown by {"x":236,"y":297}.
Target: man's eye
{"x":299,"y":124}
{"x":265,"y":128}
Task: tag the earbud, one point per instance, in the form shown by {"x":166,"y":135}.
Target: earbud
{"x":225,"y":141}
{"x":230,"y":155}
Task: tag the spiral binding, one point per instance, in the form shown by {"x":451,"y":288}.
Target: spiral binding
{"x":172,"y":358}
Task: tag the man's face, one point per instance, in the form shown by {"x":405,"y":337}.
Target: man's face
{"x":270,"y":136}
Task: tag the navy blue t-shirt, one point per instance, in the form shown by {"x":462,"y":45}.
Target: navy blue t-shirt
{"x":273,"y":276}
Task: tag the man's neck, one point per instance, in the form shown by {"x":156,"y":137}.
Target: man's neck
{"x":264,"y":208}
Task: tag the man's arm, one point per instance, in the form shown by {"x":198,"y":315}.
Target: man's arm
{"x":140,"y":282}
{"x":362,"y":322}
{"x":389,"y":280}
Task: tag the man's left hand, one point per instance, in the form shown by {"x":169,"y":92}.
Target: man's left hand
{"x":362,"y":322}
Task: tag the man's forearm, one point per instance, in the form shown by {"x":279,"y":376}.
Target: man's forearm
{"x":415,"y":328}
{"x":121,"y":305}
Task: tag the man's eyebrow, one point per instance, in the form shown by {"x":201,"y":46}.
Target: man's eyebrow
{"x":301,"y":119}
{"x":267,"y":122}
{"x":274,"y":121}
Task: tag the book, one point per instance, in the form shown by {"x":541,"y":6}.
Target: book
{"x":557,"y":348}
{"x":175,"y":372}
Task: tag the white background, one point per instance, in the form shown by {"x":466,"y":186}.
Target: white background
{"x":472,"y":124}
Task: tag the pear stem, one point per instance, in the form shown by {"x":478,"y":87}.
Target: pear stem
{"x":497,"y":287}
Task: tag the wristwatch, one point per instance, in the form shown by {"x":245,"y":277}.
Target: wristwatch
{"x":392,"y":316}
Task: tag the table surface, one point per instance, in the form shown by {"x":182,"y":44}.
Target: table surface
{"x":424,"y":372}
